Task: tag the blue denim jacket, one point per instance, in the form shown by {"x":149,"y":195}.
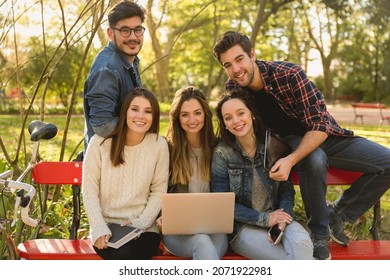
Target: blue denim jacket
{"x":232,"y":172}
{"x":107,"y":83}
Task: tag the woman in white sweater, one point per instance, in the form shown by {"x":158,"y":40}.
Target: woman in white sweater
{"x":124,"y":176}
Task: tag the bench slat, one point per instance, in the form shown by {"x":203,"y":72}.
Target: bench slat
{"x":53,"y":249}
{"x":361,"y":250}
{"x":369,"y":105}
{"x":58,"y":173}
{"x":57,"y":249}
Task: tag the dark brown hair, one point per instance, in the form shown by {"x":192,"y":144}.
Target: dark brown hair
{"x":119,"y":135}
{"x":248,"y":99}
{"x":230,"y":39}
{"x":123,"y":10}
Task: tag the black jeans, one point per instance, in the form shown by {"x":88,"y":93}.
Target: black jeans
{"x":142,"y":248}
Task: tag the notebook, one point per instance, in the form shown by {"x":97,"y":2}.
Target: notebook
{"x":192,"y":213}
{"x":122,"y":234}
{"x":274,"y":149}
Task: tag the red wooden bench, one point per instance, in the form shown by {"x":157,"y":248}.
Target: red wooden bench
{"x":359,"y":107}
{"x":69,"y":173}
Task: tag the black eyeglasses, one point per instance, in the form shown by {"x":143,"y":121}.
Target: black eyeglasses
{"x":126,"y":31}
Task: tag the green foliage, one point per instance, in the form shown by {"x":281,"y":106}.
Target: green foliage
{"x":62,"y":80}
{"x":164,"y":107}
{"x":59,"y":218}
{"x":5,"y":203}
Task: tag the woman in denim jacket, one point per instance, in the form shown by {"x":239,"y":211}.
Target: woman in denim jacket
{"x":191,"y":140}
{"x":261,"y":202}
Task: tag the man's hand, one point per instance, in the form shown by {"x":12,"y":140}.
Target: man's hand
{"x":310,"y":141}
{"x":281,"y":170}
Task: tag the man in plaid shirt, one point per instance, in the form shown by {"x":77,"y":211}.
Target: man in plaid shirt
{"x":292,"y":106}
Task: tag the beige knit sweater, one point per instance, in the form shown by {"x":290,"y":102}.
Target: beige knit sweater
{"x":129,"y":192}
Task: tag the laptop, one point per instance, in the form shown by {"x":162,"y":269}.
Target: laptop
{"x":192,"y":213}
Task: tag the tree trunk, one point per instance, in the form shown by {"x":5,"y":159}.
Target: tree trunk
{"x":326,"y":61}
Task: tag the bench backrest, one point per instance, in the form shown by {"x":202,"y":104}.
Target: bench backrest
{"x":58,"y":173}
{"x":53,"y":173}
{"x":63,"y":173}
{"x":369,"y":105}
{"x":335,"y":177}
{"x":70,"y":173}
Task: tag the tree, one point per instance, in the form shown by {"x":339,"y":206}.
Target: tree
{"x":327,"y":26}
{"x":165,"y":34}
{"x":364,"y":58}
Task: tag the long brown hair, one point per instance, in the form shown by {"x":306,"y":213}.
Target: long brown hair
{"x":119,"y":134}
{"x":181,"y":171}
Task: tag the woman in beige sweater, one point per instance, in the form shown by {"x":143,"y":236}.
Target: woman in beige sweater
{"x":124,"y":176}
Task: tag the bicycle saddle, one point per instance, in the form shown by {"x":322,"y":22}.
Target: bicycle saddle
{"x":40,"y":130}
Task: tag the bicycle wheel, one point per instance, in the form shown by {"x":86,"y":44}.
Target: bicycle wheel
{"x":7,"y":247}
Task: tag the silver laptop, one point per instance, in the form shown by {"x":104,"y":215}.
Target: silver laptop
{"x":192,"y":213}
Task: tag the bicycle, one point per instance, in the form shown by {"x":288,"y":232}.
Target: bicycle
{"x":11,"y":227}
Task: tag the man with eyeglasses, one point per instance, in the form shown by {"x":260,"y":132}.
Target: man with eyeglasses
{"x":114,"y":71}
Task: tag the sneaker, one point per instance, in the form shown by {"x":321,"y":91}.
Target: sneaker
{"x":336,"y":227}
{"x":321,"y":249}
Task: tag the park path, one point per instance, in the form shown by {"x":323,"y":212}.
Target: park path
{"x":344,"y":114}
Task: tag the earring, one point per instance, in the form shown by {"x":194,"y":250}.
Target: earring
{"x":253,"y":118}
{"x":225,"y":127}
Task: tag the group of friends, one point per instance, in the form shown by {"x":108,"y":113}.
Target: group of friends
{"x":128,"y":165}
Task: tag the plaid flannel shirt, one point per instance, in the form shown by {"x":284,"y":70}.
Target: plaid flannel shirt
{"x":297,"y":96}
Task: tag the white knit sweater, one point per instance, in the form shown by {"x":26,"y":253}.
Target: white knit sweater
{"x":129,"y":192}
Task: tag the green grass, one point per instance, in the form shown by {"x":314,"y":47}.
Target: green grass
{"x":50,"y":150}
{"x":10,"y":130}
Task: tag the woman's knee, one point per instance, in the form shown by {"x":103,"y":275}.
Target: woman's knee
{"x":204,"y":248}
{"x":298,"y":243}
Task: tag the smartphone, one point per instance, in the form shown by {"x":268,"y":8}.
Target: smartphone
{"x":275,"y":234}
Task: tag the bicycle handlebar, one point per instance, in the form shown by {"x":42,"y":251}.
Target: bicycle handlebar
{"x":22,"y":200}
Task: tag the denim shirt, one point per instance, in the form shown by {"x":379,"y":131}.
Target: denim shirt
{"x":107,"y":83}
{"x":232,"y":171}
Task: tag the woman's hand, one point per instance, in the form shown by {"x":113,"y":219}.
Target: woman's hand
{"x":281,"y":227}
{"x":101,"y":242}
{"x":159,"y":223}
{"x":279,"y":217}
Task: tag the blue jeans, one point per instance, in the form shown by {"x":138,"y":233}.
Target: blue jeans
{"x":348,"y":153}
{"x":197,"y":246}
{"x":252,"y":242}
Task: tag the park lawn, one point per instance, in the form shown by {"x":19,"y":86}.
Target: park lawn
{"x":50,"y":150}
{"x":10,"y":130}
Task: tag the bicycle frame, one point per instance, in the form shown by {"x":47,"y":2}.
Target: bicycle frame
{"x":9,"y":237}
{"x":7,"y":245}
